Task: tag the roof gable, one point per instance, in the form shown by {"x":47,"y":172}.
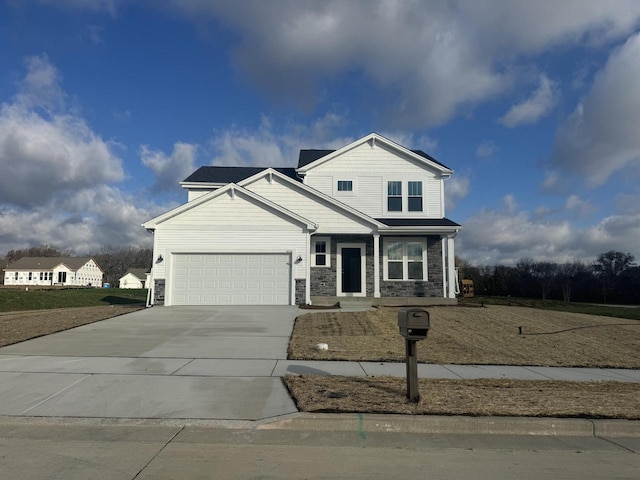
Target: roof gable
{"x":310,"y":159}
{"x":317,"y":196}
{"x":230,"y":190}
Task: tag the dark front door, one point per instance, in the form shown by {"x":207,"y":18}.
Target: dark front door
{"x":351,"y":270}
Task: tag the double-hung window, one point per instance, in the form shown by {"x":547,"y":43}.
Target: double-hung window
{"x":394,"y":196}
{"x":405,"y":259}
{"x":401,"y":200}
{"x":320,"y":252}
{"x":415,"y":196}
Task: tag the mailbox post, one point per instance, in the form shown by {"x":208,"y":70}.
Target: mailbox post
{"x":414,"y":326}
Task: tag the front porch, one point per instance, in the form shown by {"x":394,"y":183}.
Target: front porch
{"x":362,"y":268}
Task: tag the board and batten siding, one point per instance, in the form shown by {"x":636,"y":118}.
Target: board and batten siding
{"x":370,"y":167}
{"x":318,"y":211}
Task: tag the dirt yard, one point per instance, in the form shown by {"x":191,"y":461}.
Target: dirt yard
{"x":20,"y":326}
{"x":314,"y":393}
{"x":482,"y":335}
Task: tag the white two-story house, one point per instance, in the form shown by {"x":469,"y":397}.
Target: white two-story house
{"x":366,"y":220}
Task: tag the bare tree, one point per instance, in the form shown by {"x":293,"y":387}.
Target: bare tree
{"x":609,"y":267}
{"x":567,"y":273}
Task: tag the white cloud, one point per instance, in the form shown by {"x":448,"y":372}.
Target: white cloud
{"x":45,"y":149}
{"x":601,"y":136}
{"x":486,"y":149}
{"x":57,"y":174}
{"x":275,"y":146}
{"x":430,"y":59}
{"x":169,"y":170}
{"x":493,"y":237}
{"x":538,"y":105}
{"x":456,"y":189}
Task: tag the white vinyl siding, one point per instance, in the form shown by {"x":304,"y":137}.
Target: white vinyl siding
{"x":323,"y":213}
{"x":371,"y":168}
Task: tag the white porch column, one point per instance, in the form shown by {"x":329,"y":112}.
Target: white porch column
{"x":307,"y":286}
{"x":376,"y":266}
{"x":451,"y":266}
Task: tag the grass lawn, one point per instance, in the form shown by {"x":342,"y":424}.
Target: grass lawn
{"x":13,"y":300}
{"x":26,"y":314}
{"x":316,"y":393}
{"x":466,"y":335}
{"x":483,"y":335}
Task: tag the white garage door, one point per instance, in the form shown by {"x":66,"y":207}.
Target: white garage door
{"x":231,"y":279}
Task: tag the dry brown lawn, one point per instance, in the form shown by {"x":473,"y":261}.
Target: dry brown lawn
{"x":315,"y":393}
{"x":466,"y":335}
{"x":20,"y":326}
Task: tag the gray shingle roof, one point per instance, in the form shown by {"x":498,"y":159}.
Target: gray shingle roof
{"x":418,"y":222}
{"x":139,"y":273}
{"x":309,"y":156}
{"x":209,"y":174}
{"x":48,"y":263}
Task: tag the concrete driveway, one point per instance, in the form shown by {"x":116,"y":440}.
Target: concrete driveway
{"x":162,"y":362}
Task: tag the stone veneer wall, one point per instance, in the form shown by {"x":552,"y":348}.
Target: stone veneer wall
{"x":301,"y":285}
{"x":158,"y":291}
{"x":324,"y":279}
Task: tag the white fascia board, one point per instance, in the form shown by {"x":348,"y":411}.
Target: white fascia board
{"x":430,"y":230}
{"x":314,"y":193}
{"x":444,"y":171}
{"x":234,"y":188}
{"x":201,"y":185}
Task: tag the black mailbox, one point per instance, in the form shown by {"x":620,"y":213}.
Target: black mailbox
{"x":413,"y":323}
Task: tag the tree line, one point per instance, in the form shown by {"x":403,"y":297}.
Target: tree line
{"x":114,"y":261}
{"x":612,"y":278}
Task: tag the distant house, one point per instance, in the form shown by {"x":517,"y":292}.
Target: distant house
{"x":134,"y":278}
{"x":70,"y":271}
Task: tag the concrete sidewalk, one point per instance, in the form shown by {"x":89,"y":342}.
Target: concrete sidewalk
{"x":213,"y":363}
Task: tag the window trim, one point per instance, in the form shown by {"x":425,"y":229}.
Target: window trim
{"x":337,"y":180}
{"x":405,"y":258}
{"x":327,"y":254}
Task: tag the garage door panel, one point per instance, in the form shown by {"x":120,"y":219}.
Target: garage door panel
{"x":229,"y":279}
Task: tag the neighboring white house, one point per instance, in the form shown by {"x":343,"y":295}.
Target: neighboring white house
{"x":366,"y":220}
{"x":73,"y":271}
{"x":134,"y":278}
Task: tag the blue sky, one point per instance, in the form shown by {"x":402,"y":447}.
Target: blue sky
{"x":105,"y":105}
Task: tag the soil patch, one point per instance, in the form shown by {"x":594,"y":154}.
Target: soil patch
{"x":494,"y":335}
{"x":20,"y":326}
{"x":314,"y":393}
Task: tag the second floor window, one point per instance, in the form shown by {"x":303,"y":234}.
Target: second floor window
{"x":345,"y":185}
{"x":415,"y":196}
{"x":394,"y":196}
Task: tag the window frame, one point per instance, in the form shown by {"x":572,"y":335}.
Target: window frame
{"x":415,"y":196}
{"x":395,"y":196}
{"x":348,"y":183}
{"x":406,"y":197}
{"x":406,"y":260}
{"x":327,"y":253}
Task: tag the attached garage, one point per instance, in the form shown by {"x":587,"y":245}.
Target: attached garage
{"x":231,"y":279}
